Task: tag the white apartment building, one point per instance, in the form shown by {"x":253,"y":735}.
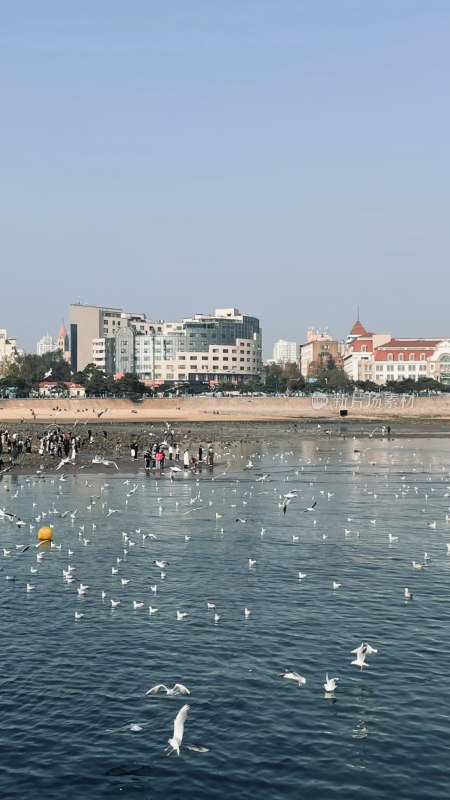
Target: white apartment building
{"x":224,"y":346}
{"x":45,"y":345}
{"x":8,"y":346}
{"x":285,"y":352}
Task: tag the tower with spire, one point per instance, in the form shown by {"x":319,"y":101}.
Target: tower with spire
{"x":62,"y":342}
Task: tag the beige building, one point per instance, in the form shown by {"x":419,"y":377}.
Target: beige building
{"x":8,"y":348}
{"x":316,"y":351}
{"x":93,"y":328}
{"x":224,"y":346}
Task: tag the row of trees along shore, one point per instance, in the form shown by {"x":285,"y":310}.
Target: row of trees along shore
{"x":25,"y":373}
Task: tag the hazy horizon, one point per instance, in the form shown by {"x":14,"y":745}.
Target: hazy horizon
{"x":286,"y":158}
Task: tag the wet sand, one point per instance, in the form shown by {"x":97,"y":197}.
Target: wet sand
{"x":224,"y":435}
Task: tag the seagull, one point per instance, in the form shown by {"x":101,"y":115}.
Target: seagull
{"x":330,"y":684}
{"x":112,"y":511}
{"x":178,"y":730}
{"x":30,"y":587}
{"x":137,"y":605}
{"x":408,"y":594}
{"x":247,"y":613}
{"x":360,"y":659}
{"x":78,"y":615}
{"x":211,"y":606}
{"x":179,"y":688}
{"x":48,"y":374}
{"x":181,"y":615}
{"x":115,"y":603}
{"x":152,"y":610}
{"x":336,"y":585}
{"x":294,"y":676}
{"x":161,"y":564}
{"x":363,"y":649}
{"x":286,"y":502}
{"x":311,"y":507}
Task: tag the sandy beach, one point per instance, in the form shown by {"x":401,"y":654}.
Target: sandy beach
{"x":384,"y":408}
{"x":224,"y":422}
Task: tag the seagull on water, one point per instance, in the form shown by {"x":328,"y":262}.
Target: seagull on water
{"x":294,"y":676}
{"x":330,"y":684}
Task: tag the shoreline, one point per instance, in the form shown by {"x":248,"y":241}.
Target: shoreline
{"x":223,"y":434}
{"x":319,"y":408}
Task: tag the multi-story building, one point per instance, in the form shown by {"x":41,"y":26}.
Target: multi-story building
{"x":49,"y":345}
{"x":398,"y":359}
{"x":380,"y":357}
{"x":360,"y":346}
{"x":225,"y":346}
{"x":91,"y":327}
{"x":285,"y":352}
{"x":317,"y":350}
{"x":45,"y":345}
{"x":8,"y":346}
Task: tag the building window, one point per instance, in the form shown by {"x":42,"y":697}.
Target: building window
{"x":233,"y":358}
{"x":423,"y":356}
{"x":401,"y":367}
{"x":411,"y":356}
{"x":401,"y":357}
{"x":422,"y":367}
{"x":390,"y":357}
{"x":215,"y":358}
{"x":364,"y":348}
{"x":204,"y":358}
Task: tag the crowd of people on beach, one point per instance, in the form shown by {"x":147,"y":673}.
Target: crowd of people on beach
{"x":62,"y":444}
{"x":13,"y":445}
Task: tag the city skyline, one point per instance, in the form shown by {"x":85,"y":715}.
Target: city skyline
{"x":289,"y":158}
{"x":413,"y":330}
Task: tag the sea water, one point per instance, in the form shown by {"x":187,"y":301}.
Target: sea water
{"x":70,"y":690}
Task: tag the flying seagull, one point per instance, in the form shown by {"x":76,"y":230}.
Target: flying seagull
{"x":176,"y":690}
{"x":178,"y":730}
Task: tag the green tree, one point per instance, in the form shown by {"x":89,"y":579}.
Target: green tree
{"x":275,"y":380}
{"x":130,"y":384}
{"x":95,"y":381}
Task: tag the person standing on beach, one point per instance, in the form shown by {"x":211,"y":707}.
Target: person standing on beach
{"x":210,"y":455}
{"x":186,"y":458}
{"x":170,"y":452}
{"x":14,"y":453}
{"x":200,"y":453}
{"x":177,"y":452}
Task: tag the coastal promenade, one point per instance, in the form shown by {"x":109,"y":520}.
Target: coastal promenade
{"x":384,"y":407}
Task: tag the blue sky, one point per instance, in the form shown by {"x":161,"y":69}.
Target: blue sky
{"x":289,"y":158}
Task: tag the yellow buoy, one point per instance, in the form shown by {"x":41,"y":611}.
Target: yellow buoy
{"x":45,"y":534}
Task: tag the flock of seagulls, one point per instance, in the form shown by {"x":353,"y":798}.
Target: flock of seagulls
{"x":293,"y":483}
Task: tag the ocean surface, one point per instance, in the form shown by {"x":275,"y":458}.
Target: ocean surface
{"x":71,"y":689}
